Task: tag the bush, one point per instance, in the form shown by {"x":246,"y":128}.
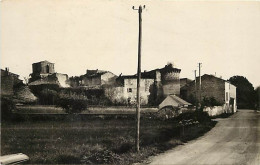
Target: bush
{"x":7,"y":105}
{"x":210,"y":102}
{"x":72,"y":104}
{"x":48,"y":96}
{"x":199,"y":116}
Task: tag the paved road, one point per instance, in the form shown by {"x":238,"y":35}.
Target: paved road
{"x":234,"y":140}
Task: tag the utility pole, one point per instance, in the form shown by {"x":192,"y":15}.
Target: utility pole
{"x":140,"y":9}
{"x":200,"y":84}
{"x":196,"y":89}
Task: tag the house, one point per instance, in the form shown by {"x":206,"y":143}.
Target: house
{"x":8,"y":81}
{"x":97,"y":78}
{"x":44,"y":74}
{"x":12,"y":86}
{"x":212,"y":87}
{"x":167,"y":79}
{"x":184,"y":81}
{"x":154,"y":86}
{"x":126,"y":89}
{"x":41,"y":69}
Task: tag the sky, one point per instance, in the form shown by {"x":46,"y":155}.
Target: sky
{"x":103,"y":34}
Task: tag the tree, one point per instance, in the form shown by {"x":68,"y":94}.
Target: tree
{"x":257,"y":91}
{"x":7,"y":106}
{"x":48,"y":96}
{"x":246,"y":97}
{"x":72,"y":104}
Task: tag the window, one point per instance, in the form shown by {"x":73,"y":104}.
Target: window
{"x":129,"y":90}
{"x":47,"y":69}
{"x":227,"y":98}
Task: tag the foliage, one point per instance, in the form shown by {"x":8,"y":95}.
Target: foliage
{"x":154,"y":98}
{"x":168,"y":112}
{"x":192,"y":99}
{"x":246,"y":96}
{"x":120,"y":102}
{"x":199,"y":116}
{"x":44,"y":141}
{"x":48,"y":96}
{"x":72,"y":104}
{"x":257,"y":91}
{"x":36,"y":89}
{"x":210,"y":102}
{"x":7,"y":105}
{"x":75,"y":81}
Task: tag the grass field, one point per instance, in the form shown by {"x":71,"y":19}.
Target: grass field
{"x":93,"y":141}
{"x":51,"y":109}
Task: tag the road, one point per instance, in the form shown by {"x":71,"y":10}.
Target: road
{"x":234,"y":140}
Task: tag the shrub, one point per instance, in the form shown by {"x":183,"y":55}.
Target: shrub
{"x":72,"y":104}
{"x":121,"y":101}
{"x":7,"y":105}
{"x":199,"y":116}
{"x":101,"y":157}
{"x":210,"y":102}
{"x":48,"y":96}
{"x":67,"y":159}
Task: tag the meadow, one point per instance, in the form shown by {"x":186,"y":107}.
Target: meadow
{"x":94,"y":140}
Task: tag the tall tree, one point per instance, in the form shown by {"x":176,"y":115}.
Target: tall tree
{"x":257,"y":98}
{"x":246,"y":96}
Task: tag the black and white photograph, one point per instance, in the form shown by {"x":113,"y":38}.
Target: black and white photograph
{"x":160,"y":82}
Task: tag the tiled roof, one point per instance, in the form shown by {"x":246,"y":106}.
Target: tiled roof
{"x":179,"y":100}
{"x":43,"y":61}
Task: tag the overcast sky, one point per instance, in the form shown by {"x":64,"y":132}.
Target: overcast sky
{"x":103,"y":34}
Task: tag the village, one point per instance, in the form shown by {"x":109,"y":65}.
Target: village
{"x":160,"y":88}
{"x":171,"y":108}
{"x":70,"y":93}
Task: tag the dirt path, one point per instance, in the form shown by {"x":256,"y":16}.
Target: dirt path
{"x":234,"y":140}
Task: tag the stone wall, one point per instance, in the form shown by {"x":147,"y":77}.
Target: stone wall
{"x":218,"y":110}
{"x":171,"y":88}
{"x":8,"y":82}
{"x":99,"y":79}
{"x":43,"y":67}
{"x":130,"y":90}
{"x":62,"y":79}
{"x":91,"y":81}
{"x":184,"y":81}
{"x":127,"y":93}
{"x":210,"y":87}
{"x":7,"y":85}
{"x":108,"y":78}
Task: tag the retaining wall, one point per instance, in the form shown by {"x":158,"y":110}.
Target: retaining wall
{"x":218,"y":110}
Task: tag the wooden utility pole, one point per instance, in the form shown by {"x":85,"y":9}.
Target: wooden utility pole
{"x":137,"y":141}
{"x":196,"y":89}
{"x":200,"y":83}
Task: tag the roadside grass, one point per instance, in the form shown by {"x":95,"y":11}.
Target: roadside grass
{"x":95,"y":141}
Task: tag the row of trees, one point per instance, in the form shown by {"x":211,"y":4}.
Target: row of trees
{"x":247,"y":96}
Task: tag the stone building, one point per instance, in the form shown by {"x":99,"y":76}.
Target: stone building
{"x":42,"y":69}
{"x":167,"y":80}
{"x":155,"y":85}
{"x":211,"y":87}
{"x":8,"y":82}
{"x":127,"y":87}
{"x":44,"y":74}
{"x":97,"y":78}
{"x":184,"y":81}
{"x":13,"y":87}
